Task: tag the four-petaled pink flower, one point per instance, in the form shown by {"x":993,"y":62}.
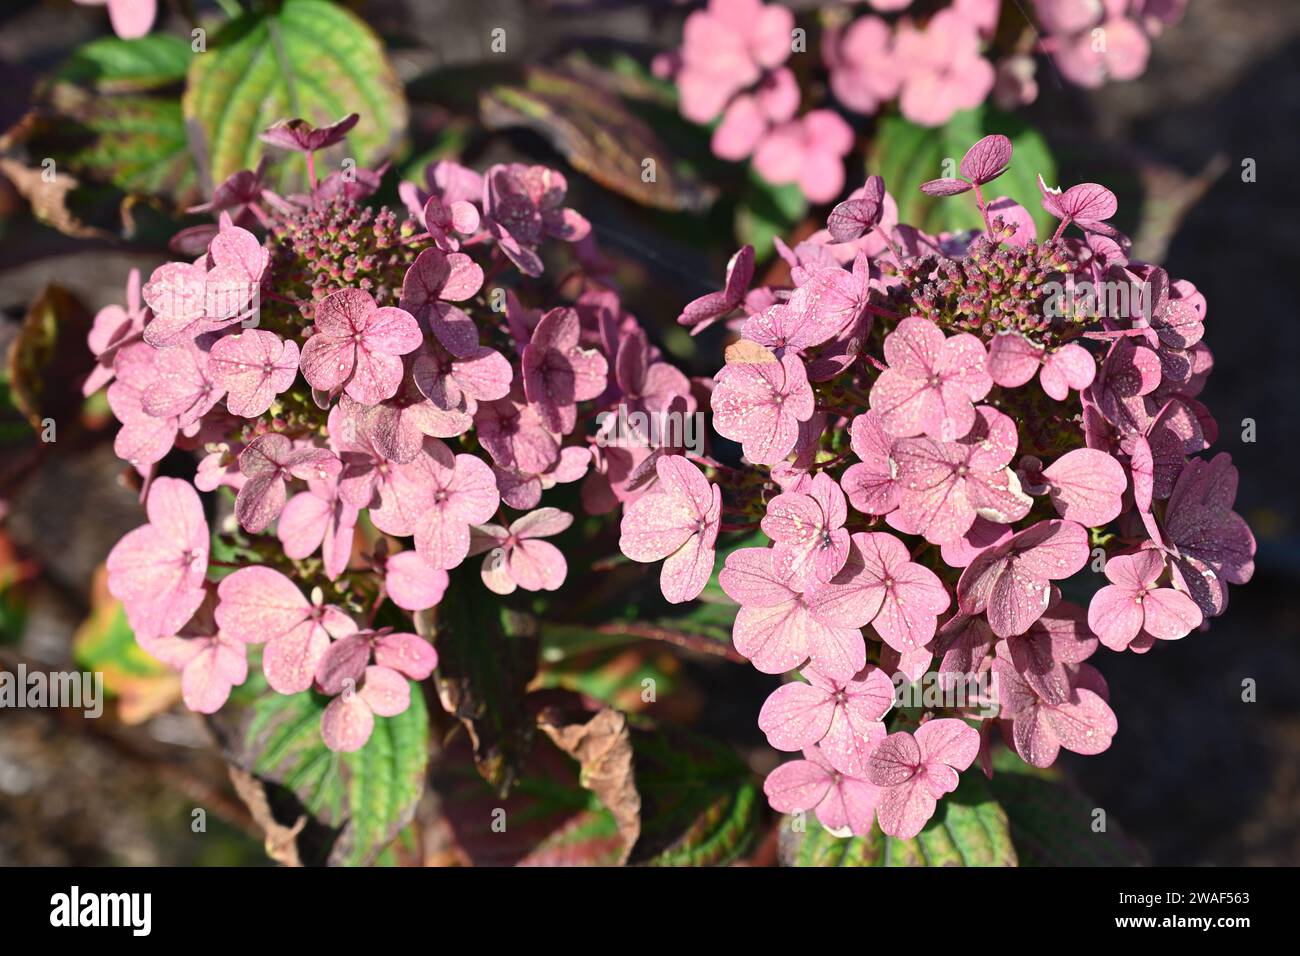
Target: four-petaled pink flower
{"x":517,"y":557}
{"x":679,"y":521}
{"x":267,"y":462}
{"x":809,"y":151}
{"x":1011,"y":581}
{"x":943,"y":71}
{"x":844,"y":803}
{"x":1209,"y":545}
{"x":559,"y":373}
{"x":808,"y":528}
{"x":778,"y":628}
{"x":362,"y":690}
{"x":319,"y":518}
{"x":880,"y":585}
{"x":446,"y":493}
{"x":258,"y":604}
{"x":1133,"y":611}
{"x":522,"y":205}
{"x":947,"y":484}
{"x":842,"y":717}
{"x":761,"y":405}
{"x":726,"y":48}
{"x":188,"y":299}
{"x":1082,"y":724}
{"x":157,"y":570}
{"x":253,"y":367}
{"x":357,"y":346}
{"x":647,"y":383}
{"x":914,"y":771}
{"x":931,"y":383}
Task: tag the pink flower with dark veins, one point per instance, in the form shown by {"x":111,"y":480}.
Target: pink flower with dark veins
{"x":845,"y":804}
{"x":267,"y":462}
{"x":931,"y":383}
{"x":319,"y":518}
{"x":558,"y":373}
{"x":514,"y":435}
{"x":253,"y":367}
{"x":362,"y":690}
{"x":1208,"y":544}
{"x":524,"y":204}
{"x":357,"y":346}
{"x":518,"y":557}
{"x":1083,"y":723}
{"x":1011,"y":581}
{"x":258,"y":604}
{"x":302,"y":137}
{"x":880,"y":585}
{"x":648,"y":384}
{"x":761,"y":405}
{"x":946,"y":485}
{"x":811,"y":543}
{"x":677,"y":521}
{"x":916,"y":770}
{"x":448,"y":493}
{"x":188,"y":299}
{"x":1134,"y":611}
{"x":842,"y":718}
{"x":778,"y":628}
{"x":157,"y":570}
{"x":183,"y":388}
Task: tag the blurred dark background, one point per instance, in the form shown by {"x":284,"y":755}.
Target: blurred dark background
{"x":1196,"y":775}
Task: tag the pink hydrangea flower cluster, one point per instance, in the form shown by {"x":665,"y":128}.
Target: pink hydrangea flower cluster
{"x":732,"y":69}
{"x":938,"y":433}
{"x":341,"y":368}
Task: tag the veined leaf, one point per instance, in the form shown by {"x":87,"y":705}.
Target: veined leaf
{"x":369,"y":795}
{"x":907,"y":155}
{"x":114,"y":65}
{"x":969,"y":828}
{"x":308,"y":59}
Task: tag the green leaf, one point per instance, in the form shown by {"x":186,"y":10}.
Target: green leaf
{"x":598,"y":134}
{"x":370,"y":794}
{"x":907,"y":155}
{"x":969,"y":828}
{"x":487,"y":654}
{"x":114,"y":65}
{"x":135,"y":143}
{"x":1052,"y":822}
{"x":309,"y":59}
{"x":700,"y":803}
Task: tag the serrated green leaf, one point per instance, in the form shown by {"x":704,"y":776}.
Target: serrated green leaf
{"x":700,"y":804}
{"x":1052,"y":823}
{"x":969,"y":828}
{"x":308,"y":59}
{"x":369,"y":794}
{"x":114,"y":65}
{"x":907,"y":155}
